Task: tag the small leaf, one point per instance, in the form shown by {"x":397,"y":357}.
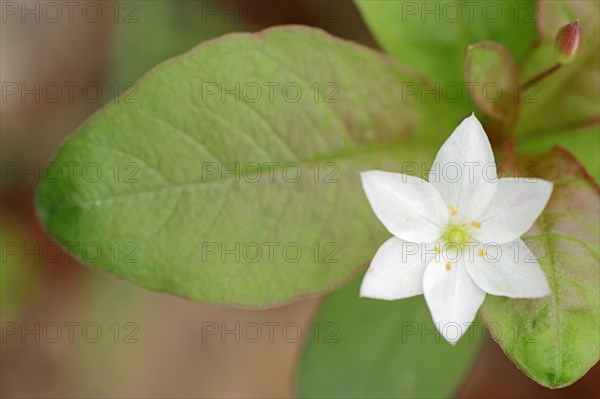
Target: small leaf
{"x":364,"y":348}
{"x":554,"y":339}
{"x":433,"y":37}
{"x":491,"y":70}
{"x":177,"y":205}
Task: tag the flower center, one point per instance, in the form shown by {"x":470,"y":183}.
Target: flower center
{"x":457,"y":234}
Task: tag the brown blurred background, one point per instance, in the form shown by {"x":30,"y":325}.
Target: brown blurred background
{"x":126,"y":341}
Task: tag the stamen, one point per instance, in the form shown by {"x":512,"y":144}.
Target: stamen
{"x":475,"y":224}
{"x":437,"y":249}
{"x":448,"y":266}
{"x":453,"y":211}
{"x":482,"y":252}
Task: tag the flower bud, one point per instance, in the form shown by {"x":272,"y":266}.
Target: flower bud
{"x":568,"y":42}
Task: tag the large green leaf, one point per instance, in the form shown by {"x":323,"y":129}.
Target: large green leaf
{"x":554,"y":339}
{"x":364,"y":348}
{"x":433,"y":36}
{"x":166,"y":222}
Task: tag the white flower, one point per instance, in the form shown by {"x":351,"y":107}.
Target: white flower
{"x":456,"y":236}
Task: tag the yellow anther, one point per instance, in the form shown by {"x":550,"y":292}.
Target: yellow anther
{"x":437,"y":249}
{"x":475,"y":224}
{"x":482,"y":252}
{"x":453,"y":211}
{"x":448,"y":266}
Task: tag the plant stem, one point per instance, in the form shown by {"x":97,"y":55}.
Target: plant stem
{"x":539,"y":77}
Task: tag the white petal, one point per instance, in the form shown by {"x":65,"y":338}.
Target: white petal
{"x":396,"y":271}
{"x":409,"y":207}
{"x":509,"y":270}
{"x":515,"y":206}
{"x":464,"y":170}
{"x":452,"y":296}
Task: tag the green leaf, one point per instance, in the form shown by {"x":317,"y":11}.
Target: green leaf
{"x":568,"y":98}
{"x":364,"y":348}
{"x":433,"y":37}
{"x":491,"y":67}
{"x":554,"y":339}
{"x":161,"y":218}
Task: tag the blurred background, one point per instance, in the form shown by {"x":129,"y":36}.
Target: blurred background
{"x":69,"y":331}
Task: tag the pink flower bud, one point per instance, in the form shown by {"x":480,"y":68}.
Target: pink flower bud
{"x":568,"y":42}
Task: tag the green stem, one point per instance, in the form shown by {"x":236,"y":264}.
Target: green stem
{"x":539,"y":77}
